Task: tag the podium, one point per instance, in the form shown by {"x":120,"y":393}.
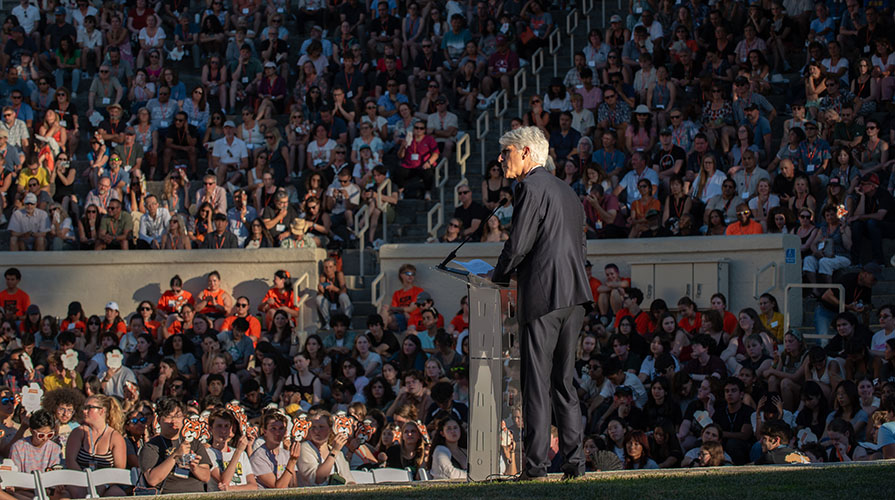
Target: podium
{"x":495,"y":397}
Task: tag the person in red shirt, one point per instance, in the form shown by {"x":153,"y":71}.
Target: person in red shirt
{"x":461,"y":320}
{"x":241,"y":310}
{"x":113,"y":322}
{"x":178,"y":323}
{"x":594,"y":282}
{"x":172,"y":300}
{"x":404,"y":300}
{"x":280,"y":297}
{"x":155,"y":328}
{"x":612,"y":291}
{"x":746,"y":224}
{"x":691,"y":319}
{"x":419,"y":155}
{"x":12,"y":295}
{"x":75,"y":319}
{"x":719,"y":303}
{"x":214,"y":301}
{"x":631,"y":307}
{"x":423,"y":302}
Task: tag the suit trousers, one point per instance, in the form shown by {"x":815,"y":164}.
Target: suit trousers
{"x":548,"y":366}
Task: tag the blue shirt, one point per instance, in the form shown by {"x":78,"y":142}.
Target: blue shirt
{"x":817,"y":26}
{"x":630,"y":180}
{"x":813,"y":155}
{"x":609,"y":161}
{"x":387,"y":103}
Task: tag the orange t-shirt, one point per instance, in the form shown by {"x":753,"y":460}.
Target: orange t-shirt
{"x":214,"y":299}
{"x":459,"y":323}
{"x":67,"y":324}
{"x":254,"y":326}
{"x":19,"y":298}
{"x":282,"y":298}
{"x":640,"y":207}
{"x":594,"y":286}
{"x":170,"y":302}
{"x":737,"y":229}
{"x":119,"y":329}
{"x":691,"y":325}
{"x":416,"y":319}
{"x":642,"y":321}
{"x":152,"y":327}
{"x":405,"y":298}
{"x":730,"y":322}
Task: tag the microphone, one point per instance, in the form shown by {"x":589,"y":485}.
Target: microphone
{"x":450,"y":257}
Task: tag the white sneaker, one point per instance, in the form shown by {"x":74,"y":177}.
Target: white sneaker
{"x":2,"y":219}
{"x":427,"y":196}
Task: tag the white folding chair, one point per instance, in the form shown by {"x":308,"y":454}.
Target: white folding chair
{"x":102,"y":477}
{"x":362,"y":477}
{"x":392,"y":476}
{"x":60,"y":477}
{"x":22,"y":480}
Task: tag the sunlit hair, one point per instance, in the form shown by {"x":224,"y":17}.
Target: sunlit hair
{"x":530,"y":137}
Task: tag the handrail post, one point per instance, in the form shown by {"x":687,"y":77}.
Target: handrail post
{"x":299,"y":298}
{"x":441,"y":178}
{"x":463,"y":152}
{"x":586,"y":7}
{"x":481,"y":131}
{"x":500,"y":109}
{"x":433,"y":228}
{"x":520,"y":84}
{"x":571,"y":26}
{"x":839,"y":288}
{"x":554,"y":43}
{"x":361,"y":226}
{"x":537,"y":63}
{"x":386,"y":185}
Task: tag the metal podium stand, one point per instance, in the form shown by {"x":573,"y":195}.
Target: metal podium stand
{"x":495,"y":398}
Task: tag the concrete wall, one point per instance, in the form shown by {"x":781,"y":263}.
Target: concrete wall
{"x":53,"y":279}
{"x":746,"y":256}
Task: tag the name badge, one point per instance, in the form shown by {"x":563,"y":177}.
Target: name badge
{"x":810,"y":168}
{"x":107,"y":101}
{"x":660,"y":106}
{"x":638,"y":10}
{"x":281,"y":227}
{"x":579,"y":86}
{"x":281,"y":10}
{"x":502,"y":70}
{"x":63,"y":124}
{"x":866,"y":49}
{"x":350,"y":94}
{"x":592,"y":64}
{"x":414,"y":157}
{"x":249,"y":145}
{"x":164,"y":123}
{"x":245,"y":79}
{"x":194,"y":123}
{"x":774,"y":324}
{"x":245,"y":11}
{"x":745,"y":195}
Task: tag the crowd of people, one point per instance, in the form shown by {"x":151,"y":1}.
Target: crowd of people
{"x":664,"y":126}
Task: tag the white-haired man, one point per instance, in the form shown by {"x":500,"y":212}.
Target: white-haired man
{"x":546,"y":250}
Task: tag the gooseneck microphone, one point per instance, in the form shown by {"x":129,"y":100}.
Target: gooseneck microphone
{"x":450,"y":257}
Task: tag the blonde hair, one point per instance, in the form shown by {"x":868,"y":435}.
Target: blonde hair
{"x":114,"y":414}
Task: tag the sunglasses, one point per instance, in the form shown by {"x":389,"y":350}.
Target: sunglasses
{"x":409,"y":273}
{"x":241,"y":304}
{"x":44,"y":435}
{"x":419,"y":128}
{"x":138,"y":420}
{"x":145,"y":308}
{"x":7,"y":400}
{"x":744,"y":212}
{"x":453,"y":225}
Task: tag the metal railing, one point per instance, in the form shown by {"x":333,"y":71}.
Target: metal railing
{"x":571,"y":26}
{"x":586,"y":7}
{"x":786,"y":319}
{"x":520,"y":83}
{"x":482,"y":127}
{"x":385,"y":185}
{"x":554,"y":43}
{"x":463,"y":152}
{"x":376,"y":294}
{"x":361,"y":225}
{"x":500,"y":109}
{"x":441,"y":178}
{"x":301,"y":298}
{"x":755,"y":293}
{"x":537,"y":63}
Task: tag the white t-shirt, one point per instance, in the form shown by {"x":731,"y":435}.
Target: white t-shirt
{"x":632,"y":381}
{"x":229,"y":154}
{"x":90,"y":40}
{"x":353,"y":196}
{"x":220,"y":459}
{"x":843,"y":63}
{"x":28,"y":17}
{"x":321,"y":154}
{"x":153,"y":41}
{"x":878,"y":343}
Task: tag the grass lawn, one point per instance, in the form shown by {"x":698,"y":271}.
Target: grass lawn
{"x":856,"y":482}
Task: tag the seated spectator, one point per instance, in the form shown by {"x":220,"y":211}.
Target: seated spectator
{"x":332,"y":294}
{"x":829,"y":252}
{"x":874,"y":216}
{"x":745,"y":224}
{"x":29,"y":227}
{"x":221,"y":237}
{"x":229,"y":156}
{"x":168,"y":461}
{"x":266,"y":458}
{"x":37,"y":453}
{"x":775,"y":438}
{"x":443,"y":126}
{"x":321,"y":459}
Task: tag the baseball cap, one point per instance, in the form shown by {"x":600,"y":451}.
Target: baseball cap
{"x":4,"y":133}
{"x":60,"y":11}
{"x":441,"y":100}
{"x":870,"y":179}
{"x":113,"y":306}
{"x":229,"y":123}
{"x":665,"y":131}
{"x":422,"y":297}
{"x":873,"y":268}
{"x":835,"y":181}
{"x":219,"y":216}
{"x":641,"y":109}
{"x":588,"y":264}
{"x":30,"y":198}
{"x":114,"y":105}
{"x":624,"y":390}
{"x":32,"y":309}
{"x":751,"y":106}
{"x":615,"y":19}
{"x":317,"y":27}
{"x":270,"y":64}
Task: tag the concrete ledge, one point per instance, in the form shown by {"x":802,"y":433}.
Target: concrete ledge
{"x":53,"y":279}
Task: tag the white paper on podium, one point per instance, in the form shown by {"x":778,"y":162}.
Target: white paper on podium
{"x":475,"y":266}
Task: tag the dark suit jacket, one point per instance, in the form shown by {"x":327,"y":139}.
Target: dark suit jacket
{"x":546,"y":248}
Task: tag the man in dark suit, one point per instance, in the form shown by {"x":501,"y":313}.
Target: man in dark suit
{"x":546,"y":250}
